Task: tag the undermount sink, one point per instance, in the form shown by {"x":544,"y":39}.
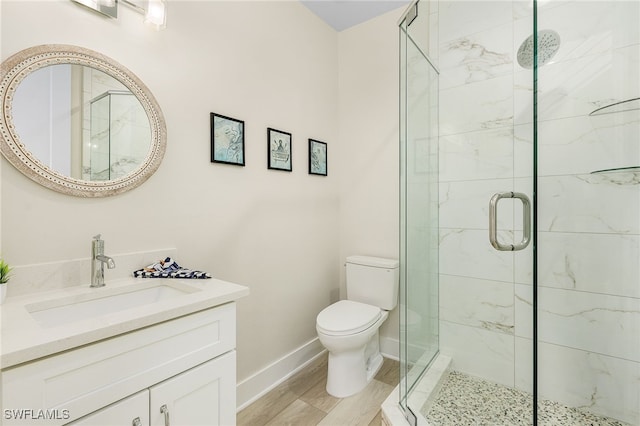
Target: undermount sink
{"x":104,"y":301}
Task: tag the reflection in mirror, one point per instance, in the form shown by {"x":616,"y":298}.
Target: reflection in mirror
{"x":81,"y":122}
{"x":119,"y":136}
{"x":78,"y":122}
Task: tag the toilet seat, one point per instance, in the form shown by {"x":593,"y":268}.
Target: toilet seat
{"x":347,"y":317}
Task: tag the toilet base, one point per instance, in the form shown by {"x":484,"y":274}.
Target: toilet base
{"x":349,"y":372}
{"x":374,"y":366}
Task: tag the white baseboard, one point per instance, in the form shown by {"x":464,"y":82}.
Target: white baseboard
{"x":258,"y":384}
{"x":390,"y":348}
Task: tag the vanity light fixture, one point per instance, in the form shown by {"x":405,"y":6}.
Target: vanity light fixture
{"x":154,"y":11}
{"x":156,"y":14}
{"x":106,"y":7}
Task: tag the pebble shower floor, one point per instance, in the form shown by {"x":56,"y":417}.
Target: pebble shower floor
{"x":466,"y":400}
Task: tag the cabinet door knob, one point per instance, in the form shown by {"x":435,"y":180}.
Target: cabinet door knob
{"x":136,"y":422}
{"x":164,"y":410}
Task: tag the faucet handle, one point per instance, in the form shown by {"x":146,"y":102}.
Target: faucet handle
{"x":97,"y":237}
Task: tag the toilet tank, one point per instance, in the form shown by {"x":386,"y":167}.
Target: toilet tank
{"x":373,"y":280}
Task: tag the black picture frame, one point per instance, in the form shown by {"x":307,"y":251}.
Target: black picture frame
{"x":279,"y":146}
{"x":317,"y":158}
{"x":227,"y":140}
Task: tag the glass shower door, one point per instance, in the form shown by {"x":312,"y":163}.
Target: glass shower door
{"x":462,"y":142}
{"x":419,"y":205}
{"x":588,"y":149}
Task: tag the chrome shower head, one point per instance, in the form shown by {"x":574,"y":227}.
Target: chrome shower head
{"x":548,"y":45}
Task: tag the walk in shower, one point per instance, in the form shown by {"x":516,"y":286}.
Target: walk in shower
{"x":520,"y":212}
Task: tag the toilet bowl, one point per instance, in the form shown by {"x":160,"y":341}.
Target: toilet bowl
{"x":349,"y":331}
{"x":349,"y":328}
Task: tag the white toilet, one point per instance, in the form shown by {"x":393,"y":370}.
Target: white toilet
{"x":349,"y":328}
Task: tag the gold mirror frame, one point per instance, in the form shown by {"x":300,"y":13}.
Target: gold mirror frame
{"x":16,"y":68}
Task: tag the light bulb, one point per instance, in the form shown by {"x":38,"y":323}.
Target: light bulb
{"x":156,"y":14}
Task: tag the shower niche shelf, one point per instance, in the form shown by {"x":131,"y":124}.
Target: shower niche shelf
{"x":632,"y":169}
{"x":622,"y":106}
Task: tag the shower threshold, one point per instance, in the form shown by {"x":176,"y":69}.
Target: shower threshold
{"x":467,"y":400}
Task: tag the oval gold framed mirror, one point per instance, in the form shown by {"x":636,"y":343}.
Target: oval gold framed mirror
{"x":78,"y":122}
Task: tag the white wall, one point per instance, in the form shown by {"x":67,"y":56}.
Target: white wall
{"x":369,"y":160}
{"x":272,"y":64}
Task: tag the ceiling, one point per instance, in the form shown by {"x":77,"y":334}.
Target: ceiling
{"x":342,"y":14}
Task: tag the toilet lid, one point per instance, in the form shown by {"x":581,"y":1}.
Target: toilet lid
{"x":347,"y":317}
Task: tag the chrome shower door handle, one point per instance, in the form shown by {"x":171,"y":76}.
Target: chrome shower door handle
{"x":493,"y":221}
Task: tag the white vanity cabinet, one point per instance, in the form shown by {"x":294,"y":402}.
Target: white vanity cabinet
{"x":186,"y":364}
{"x":131,"y":411}
{"x":203,"y":395}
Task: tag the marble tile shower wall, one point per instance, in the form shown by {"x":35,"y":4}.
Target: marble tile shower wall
{"x":476,"y":64}
{"x":589,"y":224}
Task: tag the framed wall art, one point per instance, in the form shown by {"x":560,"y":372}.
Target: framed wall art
{"x":317,"y":157}
{"x":227,"y":140}
{"x":278,"y":150}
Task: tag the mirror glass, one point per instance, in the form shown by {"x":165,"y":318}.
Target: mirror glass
{"x":78,"y":122}
{"x":81,"y":122}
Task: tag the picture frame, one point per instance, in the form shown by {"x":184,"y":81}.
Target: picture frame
{"x":227,"y":140}
{"x":279,"y":150}
{"x":317,"y":157}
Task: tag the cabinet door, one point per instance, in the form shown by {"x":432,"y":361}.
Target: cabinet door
{"x":131,"y":411}
{"x":203,"y":395}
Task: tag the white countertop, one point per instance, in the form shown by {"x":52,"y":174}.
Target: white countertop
{"x":24,"y":339}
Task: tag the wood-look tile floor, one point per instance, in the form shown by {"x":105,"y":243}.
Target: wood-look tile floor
{"x":302,"y":400}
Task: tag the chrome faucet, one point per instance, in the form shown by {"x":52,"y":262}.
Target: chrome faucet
{"x":98,"y":259}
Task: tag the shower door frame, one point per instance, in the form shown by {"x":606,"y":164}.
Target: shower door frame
{"x":426,"y":350}
{"x":534,"y":224}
